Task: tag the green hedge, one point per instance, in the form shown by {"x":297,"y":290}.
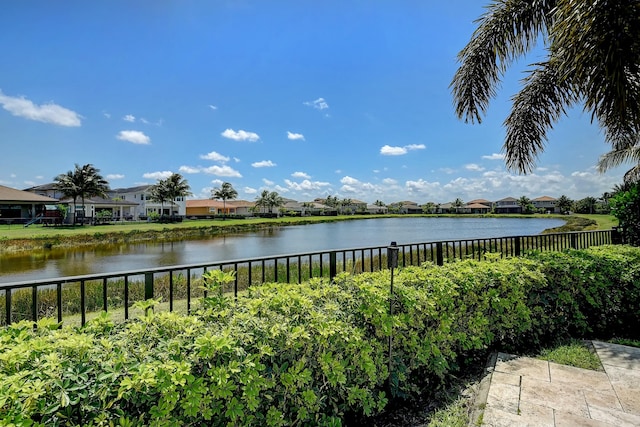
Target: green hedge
{"x":310,"y":354}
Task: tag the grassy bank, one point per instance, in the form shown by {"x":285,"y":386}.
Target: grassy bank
{"x":16,"y":238}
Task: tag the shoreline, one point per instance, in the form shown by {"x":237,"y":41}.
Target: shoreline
{"x":202,"y":229}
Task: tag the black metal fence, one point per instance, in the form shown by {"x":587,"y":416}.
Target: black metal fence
{"x":78,"y":298}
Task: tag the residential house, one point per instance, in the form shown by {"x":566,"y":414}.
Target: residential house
{"x":476,"y":208}
{"x":484,"y":202}
{"x":203,"y":208}
{"x":546,"y":204}
{"x":508,"y":205}
{"x":409,"y":207}
{"x":118,"y":210}
{"x":17,"y":206}
{"x":375,"y":209}
{"x":141,"y":195}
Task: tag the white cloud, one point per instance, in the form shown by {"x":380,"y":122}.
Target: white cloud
{"x":145,"y":121}
{"x":389,"y":181}
{"x":107,"y":115}
{"x":249,"y":190}
{"x":213,"y":107}
{"x":281,"y":189}
{"x":474,"y":167}
{"x":300,"y":175}
{"x":189,"y":169}
{"x":240,"y":135}
{"x":115,"y":176}
{"x":217,"y":182}
{"x":46,"y":113}
{"x":494,"y":156}
{"x":305,"y":185}
{"x":295,"y":136}
{"x":216,"y":157}
{"x":318,"y":104}
{"x":347,"y":180}
{"x":267,"y":182}
{"x":448,"y":171}
{"x":157,"y":175}
{"x":222,"y":171}
{"x":134,"y":136}
{"x":388,"y":150}
{"x":129,"y":118}
{"x":263,"y":164}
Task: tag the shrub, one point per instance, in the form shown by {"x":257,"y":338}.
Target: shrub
{"x":313,"y":353}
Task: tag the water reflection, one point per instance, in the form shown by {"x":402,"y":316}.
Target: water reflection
{"x":273,"y":241}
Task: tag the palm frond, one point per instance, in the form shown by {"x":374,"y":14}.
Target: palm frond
{"x":505,"y":32}
{"x":540,"y":103}
{"x":600,"y":49}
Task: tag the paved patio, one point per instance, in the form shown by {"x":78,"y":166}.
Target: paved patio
{"x":521,"y":391}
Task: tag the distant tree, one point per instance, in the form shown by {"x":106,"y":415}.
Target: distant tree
{"x":305,"y":206}
{"x":159,"y":193}
{"x":168,"y":190}
{"x":429,"y":208}
{"x":224,"y":192}
{"x":177,"y":187}
{"x":625,"y":205}
{"x":332,"y":201}
{"x":84,"y":181}
{"x":457,"y":204}
{"x":262,"y":201}
{"x":564,"y":204}
{"x":274,"y":200}
{"x":586,"y":205}
{"x":345,"y":203}
{"x":380,"y":204}
{"x":526,"y":205}
{"x":66,"y":184}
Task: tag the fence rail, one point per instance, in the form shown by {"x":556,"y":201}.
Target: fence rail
{"x":77,"y":297}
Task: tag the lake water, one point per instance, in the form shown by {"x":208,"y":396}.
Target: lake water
{"x":274,"y":241}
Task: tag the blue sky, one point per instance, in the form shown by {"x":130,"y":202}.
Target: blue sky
{"x":306,"y":98}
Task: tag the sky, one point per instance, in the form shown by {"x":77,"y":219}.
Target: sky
{"x":348,"y":98}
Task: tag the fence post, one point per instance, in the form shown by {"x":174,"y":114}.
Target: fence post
{"x":332,"y":265}
{"x":392,"y":263}
{"x":574,"y":241}
{"x":616,"y":236}
{"x":439,"y":255}
{"x":516,"y":246}
{"x":148,"y":286}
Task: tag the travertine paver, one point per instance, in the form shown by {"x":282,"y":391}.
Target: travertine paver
{"x":530,"y":392}
{"x":523,"y":366}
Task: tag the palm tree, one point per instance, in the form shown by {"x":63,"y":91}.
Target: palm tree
{"x":176,"y":187}
{"x":262,"y":201}
{"x":306,"y":205}
{"x":457,"y":204}
{"x":616,"y":157}
{"x":84,"y":181}
{"x":159,"y":193}
{"x":345,"y":203}
{"x":525,"y":204}
{"x":66,"y":184}
{"x":274,"y":200}
{"x":429,"y":208}
{"x":592,"y":56}
{"x":564,"y":204}
{"x":224,"y":193}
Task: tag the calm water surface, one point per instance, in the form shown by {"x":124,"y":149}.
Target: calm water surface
{"x":275,"y":241}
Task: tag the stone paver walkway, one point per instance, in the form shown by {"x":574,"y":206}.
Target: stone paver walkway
{"x":522,"y":391}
